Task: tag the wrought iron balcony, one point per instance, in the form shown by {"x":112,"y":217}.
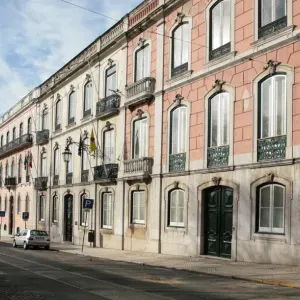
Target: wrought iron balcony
{"x":271,"y":148}
{"x":85,"y":176}
{"x":272,"y":27}
{"x":139,"y":167}
{"x":40,"y":183}
{"x":10,"y":182}
{"x":220,"y":51}
{"x":42,"y":137}
{"x":108,"y":106}
{"x":107,"y":172}
{"x":55,"y":180}
{"x":140,"y":91}
{"x":177,"y":162}
{"x":19,"y":143}
{"x":69,"y":178}
{"x":217,"y":156}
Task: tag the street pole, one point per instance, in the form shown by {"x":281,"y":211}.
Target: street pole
{"x":0,"y":228}
{"x":25,"y":225}
{"x":84,"y":231}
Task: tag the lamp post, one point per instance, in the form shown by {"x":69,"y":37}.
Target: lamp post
{"x":67,"y":154}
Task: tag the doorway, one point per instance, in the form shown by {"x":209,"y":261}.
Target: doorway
{"x":218,"y":221}
{"x":68,"y":217}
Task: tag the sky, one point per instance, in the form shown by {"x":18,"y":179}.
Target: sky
{"x":37,"y":37}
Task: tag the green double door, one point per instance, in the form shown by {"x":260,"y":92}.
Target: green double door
{"x":218,"y":221}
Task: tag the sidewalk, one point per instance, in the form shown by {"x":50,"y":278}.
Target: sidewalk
{"x":262,"y":273}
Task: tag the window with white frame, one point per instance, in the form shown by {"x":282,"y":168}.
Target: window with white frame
{"x":84,"y":156}
{"x":14,"y":133}
{"x":176,"y":208}
{"x":55,"y":209}
{"x":83,"y":214}
{"x":110,"y":81}
{"x":27,"y":204}
{"x":272,"y":106}
{"x":178,"y":130}
{"x":271,"y":203}
{"x":272,"y":16}
{"x":180,"y":49}
{"x":56,"y":162}
{"x":29,"y":126}
{"x":21,"y":130}
{"x":20,"y":170}
{"x":19,"y":205}
{"x":140,"y":138}
{"x":220,"y":28}
{"x":45,"y":119}
{"x":138,"y":207}
{"x":109,"y":146}
{"x":107,"y":210}
{"x":87,"y":101}
{"x":42,"y":208}
{"x":58,"y":115}
{"x":72,"y":103}
{"x":7,"y":137}
{"x":43,"y":165}
{"x":219,"y":120}
{"x":142,"y":62}
{"x":12,"y":169}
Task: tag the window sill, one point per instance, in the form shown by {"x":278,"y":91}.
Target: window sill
{"x":88,"y":117}
{"x":273,"y":36}
{"x":57,"y":131}
{"x":280,"y":237}
{"x":181,"y":76}
{"x":55,"y":223}
{"x":106,"y":231}
{"x":70,"y":125}
{"x":221,"y":59}
{"x":137,"y":225}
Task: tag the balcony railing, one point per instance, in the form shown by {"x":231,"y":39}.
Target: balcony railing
{"x":42,"y":137}
{"x":140,"y":91}
{"x":271,"y":148}
{"x":108,"y":106}
{"x":138,"y":165}
{"x":40,"y":183}
{"x":18,"y":143}
{"x":272,"y":27}
{"x":10,"y":182}
{"x":69,"y":178}
{"x":217,"y":156}
{"x":56,"y":180}
{"x":177,"y":162}
{"x":85,"y":176}
{"x":106,"y":172}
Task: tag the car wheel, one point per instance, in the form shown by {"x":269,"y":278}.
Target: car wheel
{"x":47,"y":247}
{"x":25,"y":246}
{"x":14,"y":244}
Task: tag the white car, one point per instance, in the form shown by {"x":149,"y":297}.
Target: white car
{"x":32,"y":238}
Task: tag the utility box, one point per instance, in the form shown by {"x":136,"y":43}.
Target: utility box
{"x":91,"y":236}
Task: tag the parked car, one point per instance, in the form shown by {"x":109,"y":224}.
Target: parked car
{"x":32,"y":238}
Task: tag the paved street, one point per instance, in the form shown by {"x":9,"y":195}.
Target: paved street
{"x":41,"y":274}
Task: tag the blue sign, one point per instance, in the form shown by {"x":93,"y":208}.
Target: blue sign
{"x":25,"y":216}
{"x":88,"y":203}
{"x":2,"y":213}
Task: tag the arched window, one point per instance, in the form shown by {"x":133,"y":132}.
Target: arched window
{"x":21,"y":130}
{"x":142,"y":62}
{"x":83,"y":215}
{"x":2,"y":142}
{"x":20,"y":170}
{"x":109,"y":146}
{"x":12,"y":169}
{"x":7,"y":170}
{"x":27,"y":204}
{"x":272,"y":117}
{"x":220,"y":28}
{"x":19,"y":205}
{"x":176,"y":208}
{"x":55,"y":209}
{"x":27,"y":174}
{"x":45,"y":119}
{"x":5,"y":203}
{"x":87,"y":102}
{"x":14,"y":133}
{"x":58,"y":115}
{"x":107,"y":210}
{"x":271,"y":203}
{"x":1,"y":175}
{"x":7,"y":137}
{"x":272,"y":16}
{"x":56,"y":162}
{"x":138,"y":207}
{"x":72,"y":108}
{"x":42,"y":208}
{"x":180,"y":49}
{"x":110,"y":81}
{"x":140,"y":138}
{"x":29,"y":126}
{"x":43,"y":165}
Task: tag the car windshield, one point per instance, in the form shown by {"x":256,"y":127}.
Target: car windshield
{"x":38,"y":232}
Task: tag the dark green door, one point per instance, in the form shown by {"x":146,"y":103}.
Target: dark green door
{"x":218,"y":221}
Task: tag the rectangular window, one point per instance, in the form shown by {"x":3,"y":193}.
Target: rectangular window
{"x":43,"y":165}
{"x":107,"y":212}
{"x":45,"y":120}
{"x":14,"y":133}
{"x":87,"y":105}
{"x":140,"y":138}
{"x":110,"y":81}
{"x":42,"y":208}
{"x":55,"y":209}
{"x":58,"y":115}
{"x":176,"y":208}
{"x":178,"y":130}
{"x":7,"y":137}
{"x":109,"y":146}
{"x":21,"y":130}
{"x":138,"y":209}
{"x":84,"y":155}
{"x":56,"y":162}
{"x":272,"y":10}
{"x":71,"y":117}
{"x":142,"y":63}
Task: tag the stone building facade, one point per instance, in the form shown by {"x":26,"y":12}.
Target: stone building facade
{"x":195,"y":109}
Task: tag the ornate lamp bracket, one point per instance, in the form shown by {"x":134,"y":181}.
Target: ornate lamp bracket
{"x":180,"y":17}
{"x":270,"y":177}
{"x":85,"y":134}
{"x":69,"y":141}
{"x":218,"y":86}
{"x":272,"y":66}
{"x":178,"y":99}
{"x":110,"y":62}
